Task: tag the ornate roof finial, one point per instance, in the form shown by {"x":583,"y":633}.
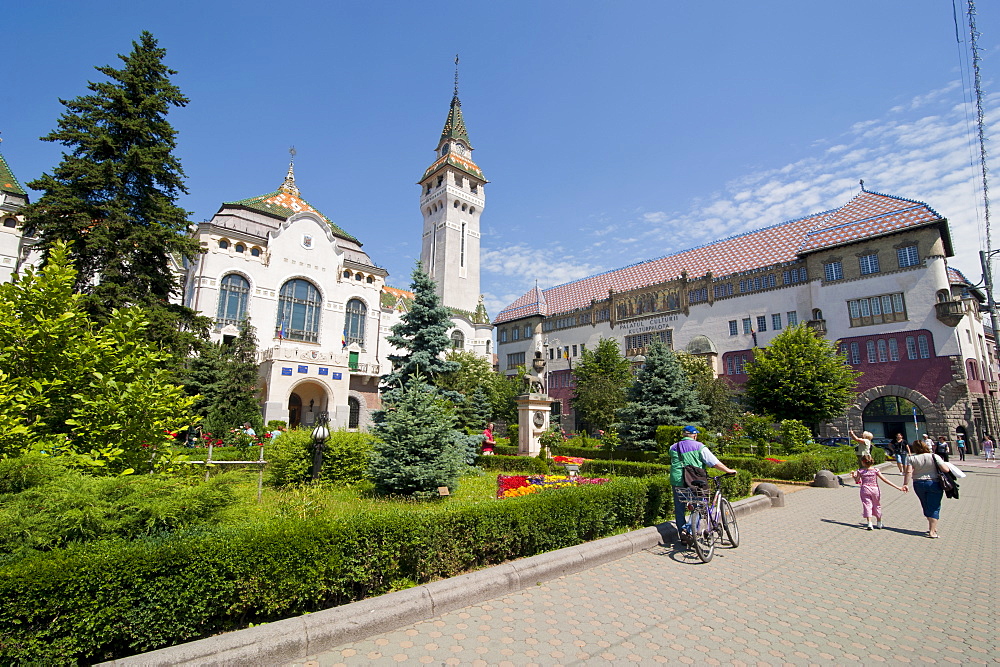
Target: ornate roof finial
{"x":289,"y":184}
{"x":863,"y":185}
{"x":456,"y":75}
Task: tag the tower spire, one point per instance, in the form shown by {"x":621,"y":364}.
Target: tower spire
{"x":289,"y":184}
{"x":456,"y":75}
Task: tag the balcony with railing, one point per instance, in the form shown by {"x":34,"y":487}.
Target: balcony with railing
{"x":819,"y":326}
{"x":950,"y":312}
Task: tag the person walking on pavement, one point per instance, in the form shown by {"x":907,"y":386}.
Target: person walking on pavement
{"x":864,"y":444}
{"x":960,"y":443}
{"x":867,"y":477}
{"x":689,"y":452}
{"x":929,"y":441}
{"x":900,"y":450}
{"x":941,"y":448}
{"x":923,"y":471}
{"x":989,"y":447}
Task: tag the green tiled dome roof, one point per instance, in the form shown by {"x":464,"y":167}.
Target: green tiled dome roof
{"x":7,"y":181}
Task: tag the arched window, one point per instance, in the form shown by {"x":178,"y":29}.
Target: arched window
{"x":354,"y":412}
{"x":458,"y":340}
{"x":354,"y":324}
{"x":255,"y":252}
{"x":299,"y":306}
{"x":370,"y":279}
{"x":9,"y":222}
{"x":233,"y":293}
{"x":223,"y":243}
{"x":240,"y":247}
{"x":883,"y":353}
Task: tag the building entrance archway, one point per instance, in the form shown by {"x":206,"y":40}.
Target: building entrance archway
{"x":305,"y":403}
{"x":886,"y":416}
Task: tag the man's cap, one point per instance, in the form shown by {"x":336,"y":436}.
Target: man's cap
{"x":690,"y":429}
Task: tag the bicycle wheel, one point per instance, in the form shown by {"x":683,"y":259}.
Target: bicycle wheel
{"x":729,"y":525}
{"x":704,"y":537}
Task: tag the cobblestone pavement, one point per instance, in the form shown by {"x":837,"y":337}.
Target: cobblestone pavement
{"x":808,"y":585}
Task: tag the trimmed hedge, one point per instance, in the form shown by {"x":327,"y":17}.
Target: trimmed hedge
{"x":115,"y":598}
{"x":606,"y":454}
{"x":802,"y":467}
{"x":531,"y":464}
{"x":624,"y":468}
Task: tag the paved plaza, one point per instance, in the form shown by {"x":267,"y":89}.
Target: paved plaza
{"x":808,"y":585}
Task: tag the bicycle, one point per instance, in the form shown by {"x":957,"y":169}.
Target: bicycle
{"x":710,"y":521}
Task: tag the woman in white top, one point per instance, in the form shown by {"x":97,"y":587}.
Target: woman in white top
{"x":864,"y":446}
{"x":923,"y":469}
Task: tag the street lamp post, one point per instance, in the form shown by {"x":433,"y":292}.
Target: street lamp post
{"x":319,"y":436}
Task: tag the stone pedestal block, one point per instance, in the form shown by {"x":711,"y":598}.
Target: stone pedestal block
{"x":776,"y":495}
{"x":826,"y":480}
{"x":533,"y":412}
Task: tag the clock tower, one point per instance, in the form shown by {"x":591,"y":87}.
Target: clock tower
{"x":451,"y":201}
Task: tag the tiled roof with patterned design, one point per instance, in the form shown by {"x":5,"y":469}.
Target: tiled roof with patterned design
{"x":8,"y":183}
{"x":866,"y":215}
{"x":395,"y":298}
{"x":456,"y":161}
{"x":956,"y":277}
{"x":454,"y":125}
{"x":283,"y":204}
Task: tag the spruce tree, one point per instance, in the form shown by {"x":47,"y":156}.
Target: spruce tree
{"x":421,"y":336}
{"x":713,"y":391}
{"x":418,"y":447}
{"x":113,"y":196}
{"x":234,"y":393}
{"x":661,"y":396}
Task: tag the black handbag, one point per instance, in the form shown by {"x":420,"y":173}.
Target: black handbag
{"x":948,"y":483}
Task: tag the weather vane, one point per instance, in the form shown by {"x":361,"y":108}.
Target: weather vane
{"x":456,"y":75}
{"x":292,"y":152}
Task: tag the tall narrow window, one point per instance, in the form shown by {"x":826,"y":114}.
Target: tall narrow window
{"x":233,"y":293}
{"x":457,"y":340}
{"x":925,"y":350}
{"x":761,"y":323}
{"x":299,"y":307}
{"x":871,"y":351}
{"x":883,"y":352}
{"x":907,"y":256}
{"x":461,"y":260}
{"x":893,"y":350}
{"x":354,"y":322}
{"x":353,"y":412}
{"x":747,"y":325}
{"x":855,"y":354}
{"x":733,"y":330}
{"x":793,"y":318}
{"x":776,"y":321}
{"x":911,"y":347}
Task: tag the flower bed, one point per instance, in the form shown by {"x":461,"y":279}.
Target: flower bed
{"x":513,"y":486}
{"x":577,"y":460}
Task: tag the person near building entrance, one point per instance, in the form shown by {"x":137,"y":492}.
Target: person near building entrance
{"x":901,"y":451}
{"x":989,"y":447}
{"x":689,"y":452}
{"x":941,"y":448}
{"x":960,"y":443}
{"x":923,"y":471}
{"x":929,"y":441}
{"x":488,"y":442}
{"x":864,"y":444}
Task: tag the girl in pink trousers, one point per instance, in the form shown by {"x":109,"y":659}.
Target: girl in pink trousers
{"x":867,"y":477}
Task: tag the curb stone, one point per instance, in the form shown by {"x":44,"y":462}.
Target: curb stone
{"x":289,"y":639}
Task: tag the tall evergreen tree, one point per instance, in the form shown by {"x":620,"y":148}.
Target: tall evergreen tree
{"x":234,"y":393}
{"x":603,"y":377}
{"x":114,"y":195}
{"x":422,"y":336}
{"x":661,"y":396}
{"x":800,"y":376}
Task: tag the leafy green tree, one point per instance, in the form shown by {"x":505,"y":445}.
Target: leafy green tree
{"x":418,"y":447}
{"x":99,"y":395}
{"x":113,"y":196}
{"x":234,"y":393}
{"x":603,"y":377}
{"x":800,"y":376}
{"x":713,"y":391}
{"x":661,"y":396}
{"x":421,"y":336}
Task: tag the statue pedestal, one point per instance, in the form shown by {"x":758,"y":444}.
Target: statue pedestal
{"x":533,"y":412}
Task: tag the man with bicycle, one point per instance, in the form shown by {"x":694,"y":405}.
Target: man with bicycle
{"x":689,"y":452}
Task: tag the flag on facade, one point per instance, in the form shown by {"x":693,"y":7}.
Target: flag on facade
{"x":343,"y":340}
{"x":753,"y":334}
{"x":281,"y":331}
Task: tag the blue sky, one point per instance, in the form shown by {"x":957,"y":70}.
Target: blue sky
{"x":611,"y":132}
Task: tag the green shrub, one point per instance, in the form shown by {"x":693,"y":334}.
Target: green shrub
{"x":345,"y":457}
{"x":530,"y":464}
{"x":114,"y":598}
{"x":30,"y":470}
{"x":738,"y":486}
{"x":505,"y":450}
{"x":275,"y":424}
{"x":512,"y":432}
{"x":75,"y":507}
{"x":667,"y":436}
{"x":795,"y":436}
{"x":607,"y":454}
